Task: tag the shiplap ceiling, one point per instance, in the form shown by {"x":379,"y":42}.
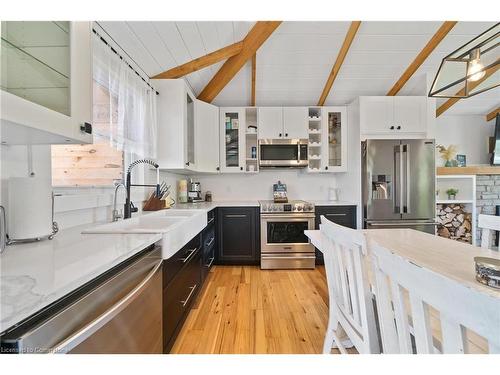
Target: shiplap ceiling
{"x":294,"y":63}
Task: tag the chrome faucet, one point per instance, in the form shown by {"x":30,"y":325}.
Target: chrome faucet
{"x":118,"y":214}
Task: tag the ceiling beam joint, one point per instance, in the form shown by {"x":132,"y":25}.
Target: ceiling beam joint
{"x":260,"y":32}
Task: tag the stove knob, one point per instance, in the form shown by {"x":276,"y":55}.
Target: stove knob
{"x":299,"y":208}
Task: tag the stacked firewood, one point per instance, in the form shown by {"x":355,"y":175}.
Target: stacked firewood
{"x":454,"y":222}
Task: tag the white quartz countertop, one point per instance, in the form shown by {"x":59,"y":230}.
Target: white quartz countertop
{"x":332,"y":203}
{"x":252,"y":203}
{"x":207,"y":206}
{"x":34,"y":275}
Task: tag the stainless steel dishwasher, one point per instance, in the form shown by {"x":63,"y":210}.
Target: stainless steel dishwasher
{"x":120,"y":312}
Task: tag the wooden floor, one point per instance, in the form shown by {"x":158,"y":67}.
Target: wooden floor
{"x":243,"y":309}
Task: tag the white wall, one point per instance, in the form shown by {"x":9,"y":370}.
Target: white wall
{"x":469,"y":133}
{"x":300,"y":185}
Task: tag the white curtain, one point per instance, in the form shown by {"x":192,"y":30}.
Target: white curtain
{"x":133,"y":128}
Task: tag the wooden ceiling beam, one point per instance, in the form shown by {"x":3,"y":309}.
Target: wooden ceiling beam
{"x":490,"y":116}
{"x":472,"y":85}
{"x":351,"y":33}
{"x":254,"y":73}
{"x":201,"y":62}
{"x":422,"y":56}
{"x":252,"y":42}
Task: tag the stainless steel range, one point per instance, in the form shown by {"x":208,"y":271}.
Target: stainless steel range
{"x":283,"y":242}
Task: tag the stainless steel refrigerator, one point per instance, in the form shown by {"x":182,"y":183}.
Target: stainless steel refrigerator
{"x":399,"y":184}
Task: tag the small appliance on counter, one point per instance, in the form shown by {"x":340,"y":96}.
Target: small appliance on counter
{"x":279,"y":193}
{"x":208,"y":196}
{"x":194,"y":193}
{"x":182,"y":191}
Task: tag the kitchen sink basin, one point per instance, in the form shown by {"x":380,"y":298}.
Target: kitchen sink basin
{"x":177,"y":227}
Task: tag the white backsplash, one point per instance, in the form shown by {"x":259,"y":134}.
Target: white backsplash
{"x":300,"y":185}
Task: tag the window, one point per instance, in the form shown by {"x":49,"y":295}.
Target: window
{"x":99,"y":164}
{"x":124,"y":124}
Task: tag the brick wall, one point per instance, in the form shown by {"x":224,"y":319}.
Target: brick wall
{"x":487,"y":197}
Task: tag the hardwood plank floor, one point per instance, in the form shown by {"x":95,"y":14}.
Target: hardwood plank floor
{"x":246,"y":310}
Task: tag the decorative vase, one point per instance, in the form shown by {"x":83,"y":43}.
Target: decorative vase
{"x":448,"y":163}
{"x":451,"y":196}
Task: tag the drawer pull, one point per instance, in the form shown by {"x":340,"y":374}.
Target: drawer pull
{"x":191,"y":253}
{"x":210,"y":263}
{"x":235,"y":215}
{"x":185,"y":302}
{"x":336,"y":215}
{"x":211,"y":241}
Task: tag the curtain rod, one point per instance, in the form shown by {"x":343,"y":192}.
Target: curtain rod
{"x":125,"y":61}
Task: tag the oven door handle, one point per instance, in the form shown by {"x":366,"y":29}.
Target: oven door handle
{"x":285,"y":217}
{"x":266,"y":256}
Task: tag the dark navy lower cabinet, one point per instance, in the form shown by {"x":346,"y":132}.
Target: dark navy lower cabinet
{"x":342,"y":215}
{"x":238,"y":235}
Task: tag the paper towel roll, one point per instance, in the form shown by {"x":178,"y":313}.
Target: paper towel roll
{"x":30,"y":207}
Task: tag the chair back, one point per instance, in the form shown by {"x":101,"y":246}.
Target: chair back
{"x":488,"y":224}
{"x":348,"y":285}
{"x":421,"y":311}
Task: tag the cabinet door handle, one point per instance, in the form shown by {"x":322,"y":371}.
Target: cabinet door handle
{"x":336,"y":215}
{"x":286,"y":134}
{"x":280,"y":135}
{"x":209,"y":264}
{"x":211,"y":221}
{"x":185,"y":302}
{"x":399,"y":127}
{"x":211,"y":241}
{"x":191,"y":253}
{"x":392,"y":128}
{"x":241,"y":168}
{"x":235,"y":215}
{"x":187,"y":164}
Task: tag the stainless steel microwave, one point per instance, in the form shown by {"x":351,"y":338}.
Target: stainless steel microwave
{"x":291,"y":153}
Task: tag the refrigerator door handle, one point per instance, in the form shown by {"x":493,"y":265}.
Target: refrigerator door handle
{"x":406,"y":179}
{"x":398,"y":179}
{"x":395,"y":181}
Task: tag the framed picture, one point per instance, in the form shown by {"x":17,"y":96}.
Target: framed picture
{"x":461,"y":160}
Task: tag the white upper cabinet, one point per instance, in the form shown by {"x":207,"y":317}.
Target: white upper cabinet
{"x":334,"y":136}
{"x":295,"y":122}
{"x":282,"y":122}
{"x":377,"y":113}
{"x":232,"y":140}
{"x":410,"y":114}
{"x":206,"y":137}
{"x":46,"y":95}
{"x":270,"y":122}
{"x":176,"y":126}
{"x":393,"y":116}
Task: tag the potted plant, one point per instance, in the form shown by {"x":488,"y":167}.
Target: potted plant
{"x":448,"y":155}
{"x":452,"y":193}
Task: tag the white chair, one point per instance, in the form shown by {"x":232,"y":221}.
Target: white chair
{"x":458,"y":309}
{"x":488,"y":224}
{"x":350,"y":300}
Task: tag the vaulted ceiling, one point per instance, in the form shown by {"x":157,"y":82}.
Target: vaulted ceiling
{"x":295,"y":62}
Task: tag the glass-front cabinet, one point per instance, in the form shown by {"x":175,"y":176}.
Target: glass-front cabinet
{"x":232,"y":140}
{"x":334,"y":139}
{"x":46,"y":81}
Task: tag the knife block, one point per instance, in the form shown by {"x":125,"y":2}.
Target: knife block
{"x":153,"y":204}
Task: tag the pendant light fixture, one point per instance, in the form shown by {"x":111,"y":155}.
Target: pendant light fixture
{"x":471,"y":69}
